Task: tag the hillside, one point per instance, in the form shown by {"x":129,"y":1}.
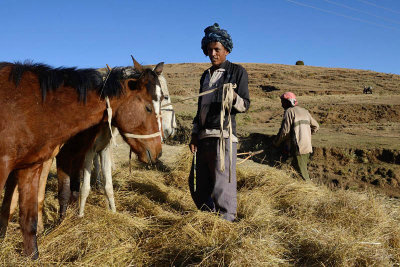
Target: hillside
{"x":359,"y":141}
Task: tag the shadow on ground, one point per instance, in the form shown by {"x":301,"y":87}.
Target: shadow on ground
{"x":271,"y":155}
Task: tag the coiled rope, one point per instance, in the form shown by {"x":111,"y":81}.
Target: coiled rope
{"x":226,"y":106}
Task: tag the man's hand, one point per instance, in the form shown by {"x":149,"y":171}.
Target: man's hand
{"x":193,"y":143}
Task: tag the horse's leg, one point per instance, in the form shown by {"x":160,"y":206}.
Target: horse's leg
{"x":97,"y":169}
{"x":10,"y":191}
{"x":28,"y":183}
{"x":14,"y":202}
{"x":5,"y":170}
{"x":68,"y":173}
{"x":115,"y":134}
{"x":106,"y":165}
{"x":41,"y":194}
{"x":75,"y":184}
{"x":42,"y":191}
{"x":64,"y":191}
{"x":113,"y":167}
{"x":85,"y":188}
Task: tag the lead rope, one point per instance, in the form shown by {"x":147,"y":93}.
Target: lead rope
{"x":194,"y":172}
{"x":196,"y":96}
{"x":109,"y":115}
{"x":130,"y":157}
{"x":226,"y":105}
{"x":109,"y":109}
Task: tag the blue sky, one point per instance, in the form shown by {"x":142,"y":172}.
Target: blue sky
{"x":359,"y":34}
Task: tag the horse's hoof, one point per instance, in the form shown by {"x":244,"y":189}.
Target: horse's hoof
{"x":40,"y":230}
{"x":35,"y":255}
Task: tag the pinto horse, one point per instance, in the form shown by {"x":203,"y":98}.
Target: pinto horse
{"x":101,"y":151}
{"x":42,"y":107}
{"x":78,"y":153}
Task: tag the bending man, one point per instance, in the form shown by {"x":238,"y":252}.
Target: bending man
{"x":296,"y":129}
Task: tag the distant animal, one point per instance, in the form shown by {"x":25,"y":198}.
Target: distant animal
{"x":367,"y":90}
{"x":42,"y":107}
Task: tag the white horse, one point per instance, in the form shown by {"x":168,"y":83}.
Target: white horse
{"x":102,"y":151}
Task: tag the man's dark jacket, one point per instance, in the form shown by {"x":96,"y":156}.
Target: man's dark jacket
{"x":235,"y":74}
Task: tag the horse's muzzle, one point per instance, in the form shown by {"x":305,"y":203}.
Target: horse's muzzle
{"x":150,"y":158}
{"x":169,"y":133}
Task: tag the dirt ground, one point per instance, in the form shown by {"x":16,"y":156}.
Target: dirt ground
{"x":358,"y":145}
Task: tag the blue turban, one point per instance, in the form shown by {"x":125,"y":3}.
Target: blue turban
{"x":215,"y":34}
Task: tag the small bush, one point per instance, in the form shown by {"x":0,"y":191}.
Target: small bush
{"x":299,"y":62}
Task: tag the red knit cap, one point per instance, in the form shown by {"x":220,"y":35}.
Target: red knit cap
{"x":290,"y":97}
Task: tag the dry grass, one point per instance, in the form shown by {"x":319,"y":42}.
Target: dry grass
{"x":281,"y":221}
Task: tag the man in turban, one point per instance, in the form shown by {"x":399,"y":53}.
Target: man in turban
{"x":214,"y":189}
{"x":296,"y":129}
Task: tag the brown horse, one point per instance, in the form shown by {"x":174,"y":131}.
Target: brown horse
{"x":42,"y":107}
{"x":76,"y":151}
{"x":82,"y":149}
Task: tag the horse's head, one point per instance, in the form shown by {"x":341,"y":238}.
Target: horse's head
{"x":138,"y":115}
{"x":167,"y":112}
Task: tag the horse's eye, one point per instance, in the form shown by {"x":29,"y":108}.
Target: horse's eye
{"x":149,"y":108}
{"x":166,"y":97}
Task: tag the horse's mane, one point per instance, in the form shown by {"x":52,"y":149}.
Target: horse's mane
{"x":81,"y":79}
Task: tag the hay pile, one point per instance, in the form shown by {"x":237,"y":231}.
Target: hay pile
{"x":281,"y":221}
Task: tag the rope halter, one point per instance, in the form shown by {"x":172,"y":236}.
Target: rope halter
{"x":141,"y":136}
{"x":130,"y":135}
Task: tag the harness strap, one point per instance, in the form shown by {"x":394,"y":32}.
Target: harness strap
{"x":167,"y":109}
{"x":141,"y":136}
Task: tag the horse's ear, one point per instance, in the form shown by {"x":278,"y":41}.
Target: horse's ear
{"x":159,"y":68}
{"x":137,"y":65}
